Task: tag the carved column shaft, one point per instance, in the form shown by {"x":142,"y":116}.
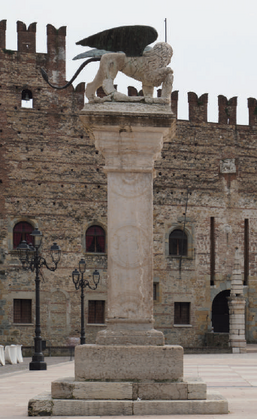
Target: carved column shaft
{"x":130,"y":148}
{"x":129,"y":167}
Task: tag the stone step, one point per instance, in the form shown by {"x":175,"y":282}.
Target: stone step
{"x":45,"y":405}
{"x":191,"y":389}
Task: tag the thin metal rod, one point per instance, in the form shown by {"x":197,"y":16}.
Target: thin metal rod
{"x":165,"y":27}
{"x":82,"y":337}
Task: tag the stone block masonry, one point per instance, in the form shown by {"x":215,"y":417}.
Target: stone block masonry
{"x":215,"y":404}
{"x":193,"y":389}
{"x":128,"y":362}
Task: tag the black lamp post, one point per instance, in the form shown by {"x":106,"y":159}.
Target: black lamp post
{"x":33,"y":261}
{"x":80,"y":282}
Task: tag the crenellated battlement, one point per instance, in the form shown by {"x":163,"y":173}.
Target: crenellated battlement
{"x":2,"y":34}
{"x":26,"y":37}
{"x":56,"y":52}
{"x":197,"y":107}
{"x":54,"y":62}
{"x":227,"y":110}
{"x":54,"y":59}
{"x":252,"y":107}
{"x":20,"y":76}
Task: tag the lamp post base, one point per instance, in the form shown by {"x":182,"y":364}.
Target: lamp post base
{"x":37,"y":365}
{"x":38,"y":362}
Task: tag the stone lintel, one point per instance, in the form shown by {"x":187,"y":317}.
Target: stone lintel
{"x":132,"y":362}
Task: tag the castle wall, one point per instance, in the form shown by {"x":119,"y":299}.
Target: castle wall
{"x":190,"y":174}
{"x":52,"y":176}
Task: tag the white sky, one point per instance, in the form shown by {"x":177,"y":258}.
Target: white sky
{"x":214,"y":41}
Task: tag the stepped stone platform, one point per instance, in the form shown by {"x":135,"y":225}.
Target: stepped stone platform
{"x":73,"y":398}
{"x":129,"y":380}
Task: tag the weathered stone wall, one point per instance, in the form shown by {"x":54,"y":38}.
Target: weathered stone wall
{"x":52,"y":176}
{"x":192,"y":160}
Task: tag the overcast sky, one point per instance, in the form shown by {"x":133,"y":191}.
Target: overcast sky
{"x":214,"y":41}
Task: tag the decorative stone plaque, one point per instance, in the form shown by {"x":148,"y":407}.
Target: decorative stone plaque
{"x":227,"y":166}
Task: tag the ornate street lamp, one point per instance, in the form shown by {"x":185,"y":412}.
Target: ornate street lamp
{"x":80,"y":282}
{"x":33,"y":261}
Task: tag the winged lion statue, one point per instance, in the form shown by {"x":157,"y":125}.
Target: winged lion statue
{"x":126,"y":49}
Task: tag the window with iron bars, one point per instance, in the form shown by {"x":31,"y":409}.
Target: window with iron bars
{"x":178,"y":243}
{"x":181,"y":313}
{"x":22,"y":311}
{"x":96,"y":311}
{"x":95,"y":239}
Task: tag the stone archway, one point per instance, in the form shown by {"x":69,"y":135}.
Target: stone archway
{"x":220,"y":312}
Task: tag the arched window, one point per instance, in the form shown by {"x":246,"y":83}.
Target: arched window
{"x":26,"y":99}
{"x":21,"y":232}
{"x":95,"y":239}
{"x":178,"y":243}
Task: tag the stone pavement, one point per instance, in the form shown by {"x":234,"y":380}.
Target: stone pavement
{"x":233,"y":375}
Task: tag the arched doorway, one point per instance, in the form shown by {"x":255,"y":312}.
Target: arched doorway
{"x":220,"y":312}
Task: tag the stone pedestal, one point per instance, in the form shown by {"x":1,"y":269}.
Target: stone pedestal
{"x":237,"y":323}
{"x":129,"y":371}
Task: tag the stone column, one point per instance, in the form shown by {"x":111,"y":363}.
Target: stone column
{"x":237,"y":324}
{"x":130,"y":137}
{"x":236,"y":303}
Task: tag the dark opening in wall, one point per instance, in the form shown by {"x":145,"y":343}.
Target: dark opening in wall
{"x":178,"y":243}
{"x":220,"y":312}
{"x":21,"y":311}
{"x":95,"y":239}
{"x":156,"y":291}
{"x":26,"y":99}
{"x":182,"y":313}
{"x":96,"y":310}
{"x":21,"y":231}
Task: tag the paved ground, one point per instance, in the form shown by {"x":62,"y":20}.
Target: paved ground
{"x":233,"y":375}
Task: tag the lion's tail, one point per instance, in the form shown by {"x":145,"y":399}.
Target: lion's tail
{"x":45,"y":76}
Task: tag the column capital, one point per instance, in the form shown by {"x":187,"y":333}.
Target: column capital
{"x":129,"y":136}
